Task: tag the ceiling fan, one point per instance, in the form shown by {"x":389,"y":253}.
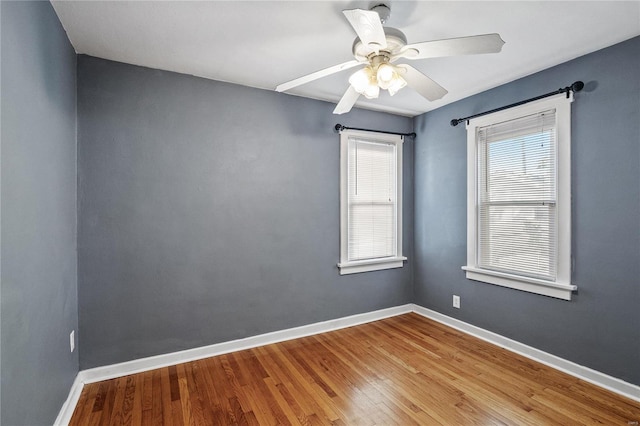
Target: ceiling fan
{"x":378,"y":48}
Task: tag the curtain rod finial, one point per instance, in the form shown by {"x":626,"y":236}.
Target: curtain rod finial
{"x":577,"y":86}
{"x":454,"y":122}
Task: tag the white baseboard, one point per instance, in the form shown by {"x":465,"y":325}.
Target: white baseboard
{"x":145,"y":364}
{"x":584,"y":373}
{"x":98,"y":374}
{"x":64,"y":416}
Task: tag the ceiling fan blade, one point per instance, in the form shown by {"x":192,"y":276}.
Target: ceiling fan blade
{"x":316,"y":75}
{"x":367,"y":25}
{"x":422,"y":84}
{"x":487,"y":43}
{"x":348,"y":100}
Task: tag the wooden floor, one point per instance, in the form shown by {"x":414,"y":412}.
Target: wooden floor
{"x":402,"y":370}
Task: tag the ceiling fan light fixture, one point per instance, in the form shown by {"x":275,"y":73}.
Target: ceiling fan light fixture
{"x":369,"y":80}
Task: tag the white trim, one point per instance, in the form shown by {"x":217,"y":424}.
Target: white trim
{"x":69,"y":406}
{"x":587,"y":374}
{"x":351,"y":267}
{"x":532,"y":285}
{"x":145,"y":364}
{"x":563,"y":287}
{"x":371,"y":265}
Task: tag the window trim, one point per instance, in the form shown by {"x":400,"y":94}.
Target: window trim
{"x":366,"y":265}
{"x":561,"y":288}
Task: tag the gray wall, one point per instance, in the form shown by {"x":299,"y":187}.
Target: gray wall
{"x":210,"y":212}
{"x":600,"y":327}
{"x":38,"y":278}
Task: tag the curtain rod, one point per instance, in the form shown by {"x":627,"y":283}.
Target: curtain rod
{"x":340,"y":127}
{"x":575,"y":87}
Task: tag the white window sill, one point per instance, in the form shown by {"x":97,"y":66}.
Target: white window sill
{"x":532,"y":285}
{"x":371,"y":265}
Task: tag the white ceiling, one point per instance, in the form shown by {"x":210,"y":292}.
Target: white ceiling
{"x":264,"y":43}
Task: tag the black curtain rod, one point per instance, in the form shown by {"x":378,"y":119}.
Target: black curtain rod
{"x":575,"y":87}
{"x":340,"y":127}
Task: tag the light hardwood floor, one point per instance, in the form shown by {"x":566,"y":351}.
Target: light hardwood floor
{"x":399,"y":371}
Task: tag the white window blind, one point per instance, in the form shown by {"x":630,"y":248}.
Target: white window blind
{"x":517,"y":218}
{"x":371,"y":200}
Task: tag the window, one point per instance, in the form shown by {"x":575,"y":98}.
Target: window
{"x":519,"y":198}
{"x":370,"y":201}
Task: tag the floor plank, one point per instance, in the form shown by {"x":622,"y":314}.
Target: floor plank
{"x":401,"y":370}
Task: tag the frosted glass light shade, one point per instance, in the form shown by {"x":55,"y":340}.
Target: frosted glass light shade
{"x":360,"y":79}
{"x":372,"y":91}
{"x":397,"y":84}
{"x":385,"y":75}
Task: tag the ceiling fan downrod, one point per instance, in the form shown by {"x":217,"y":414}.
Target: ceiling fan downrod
{"x":383,"y":10}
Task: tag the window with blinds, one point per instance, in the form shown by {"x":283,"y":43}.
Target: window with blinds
{"x":371,"y":183}
{"x":517,"y":196}
{"x":371,"y":199}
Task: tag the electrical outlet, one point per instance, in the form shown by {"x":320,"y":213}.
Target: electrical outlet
{"x":72,"y":340}
{"x":456,"y":301}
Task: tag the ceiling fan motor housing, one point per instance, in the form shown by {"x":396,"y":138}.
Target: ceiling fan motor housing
{"x":396,"y":40}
